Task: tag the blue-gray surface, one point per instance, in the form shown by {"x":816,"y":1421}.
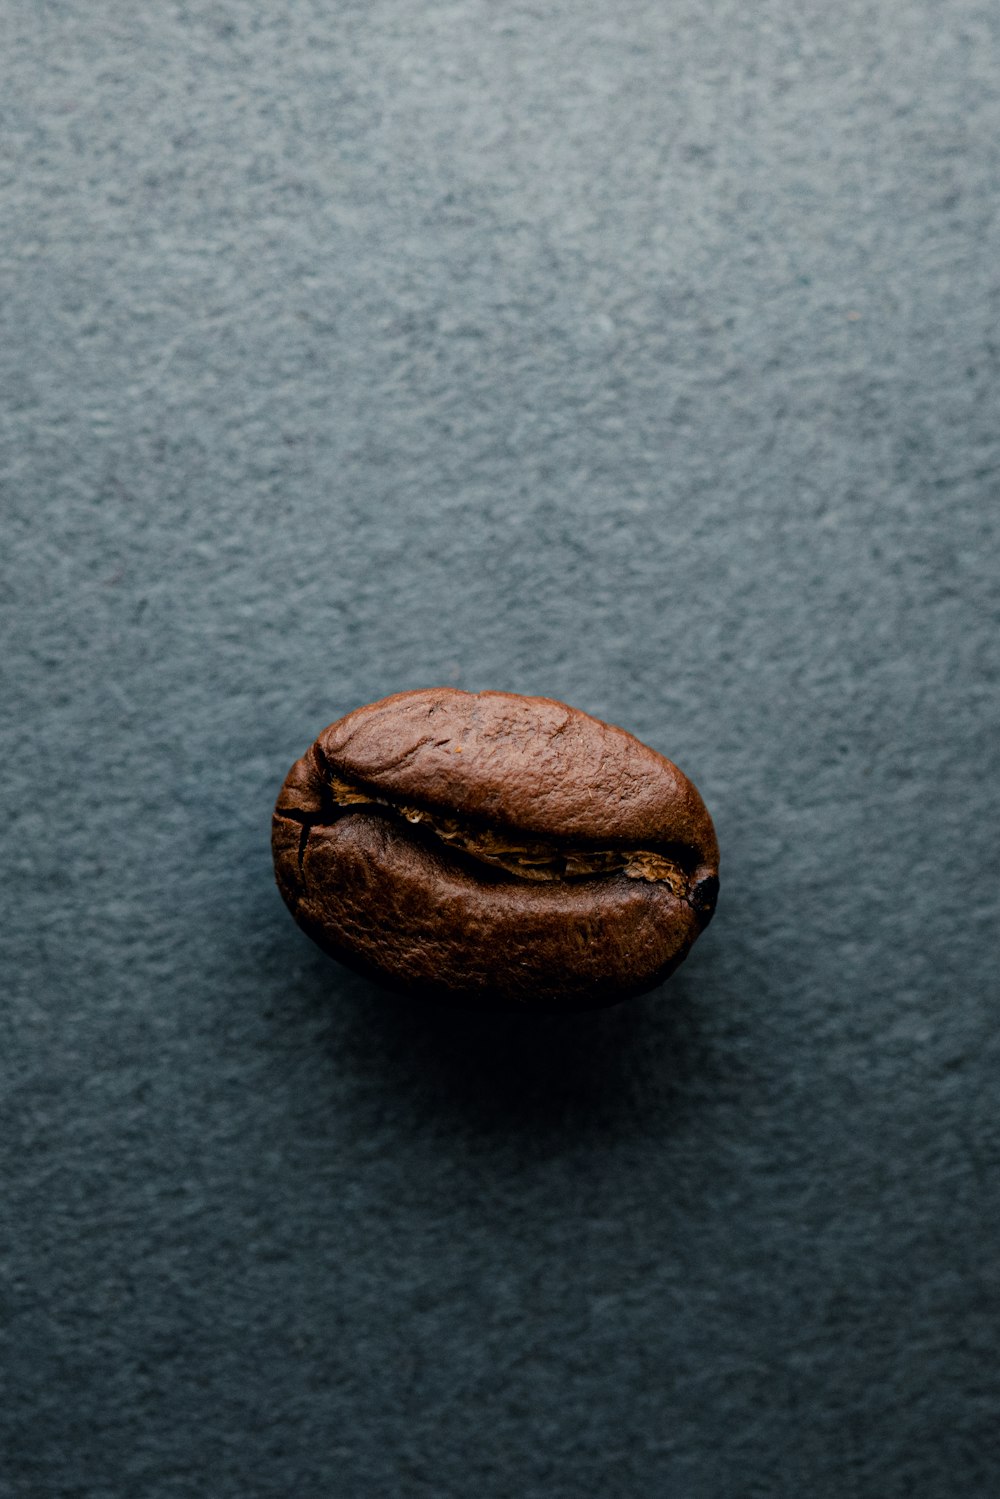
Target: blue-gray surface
{"x":645,"y":357}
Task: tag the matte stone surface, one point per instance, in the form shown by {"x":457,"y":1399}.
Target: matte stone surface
{"x":644,"y":357}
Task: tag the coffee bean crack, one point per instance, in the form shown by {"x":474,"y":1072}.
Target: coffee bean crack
{"x":527,"y":859}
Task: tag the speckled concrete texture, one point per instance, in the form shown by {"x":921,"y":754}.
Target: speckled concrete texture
{"x":645,"y":357}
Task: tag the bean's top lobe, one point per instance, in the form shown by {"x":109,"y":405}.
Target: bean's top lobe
{"x":526,"y":764}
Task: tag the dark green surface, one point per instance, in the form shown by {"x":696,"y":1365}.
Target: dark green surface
{"x":642,"y":358}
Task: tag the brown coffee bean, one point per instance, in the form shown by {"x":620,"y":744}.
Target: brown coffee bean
{"x":491,"y":848}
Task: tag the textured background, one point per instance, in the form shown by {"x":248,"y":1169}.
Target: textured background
{"x":642,"y":356}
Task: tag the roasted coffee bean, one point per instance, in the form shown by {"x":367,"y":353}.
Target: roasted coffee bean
{"x":495,"y":849}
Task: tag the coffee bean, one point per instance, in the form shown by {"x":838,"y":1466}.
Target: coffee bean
{"x":495,"y":849}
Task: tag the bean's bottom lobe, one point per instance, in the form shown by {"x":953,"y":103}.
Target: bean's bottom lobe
{"x":414,"y":918}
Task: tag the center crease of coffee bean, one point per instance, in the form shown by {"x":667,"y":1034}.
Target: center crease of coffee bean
{"x":527,"y":859}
